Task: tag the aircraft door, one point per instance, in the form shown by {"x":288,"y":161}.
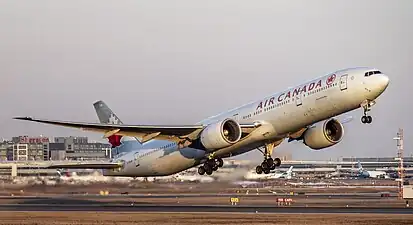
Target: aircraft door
{"x":236,"y":117}
{"x":299,"y":99}
{"x":343,"y":82}
{"x":137,"y":158}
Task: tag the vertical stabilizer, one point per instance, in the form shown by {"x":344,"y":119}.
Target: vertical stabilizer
{"x":107,"y":116}
{"x":289,"y":173}
{"x":290,"y":170}
{"x":359,"y":166}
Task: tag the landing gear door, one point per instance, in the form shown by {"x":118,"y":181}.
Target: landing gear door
{"x":343,"y":82}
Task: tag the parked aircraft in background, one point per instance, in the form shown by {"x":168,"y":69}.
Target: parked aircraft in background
{"x":363,"y":173}
{"x":193,"y":178}
{"x":254,"y":176}
{"x":305,"y":112}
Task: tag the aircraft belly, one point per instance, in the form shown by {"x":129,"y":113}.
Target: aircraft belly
{"x":177,"y":161}
{"x":256,"y":138}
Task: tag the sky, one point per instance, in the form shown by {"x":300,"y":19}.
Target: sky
{"x":178,"y":62}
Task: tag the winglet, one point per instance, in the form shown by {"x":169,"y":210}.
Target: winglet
{"x":23,"y":118}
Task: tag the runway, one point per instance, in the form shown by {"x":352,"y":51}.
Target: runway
{"x":372,"y":195}
{"x":198,"y":208}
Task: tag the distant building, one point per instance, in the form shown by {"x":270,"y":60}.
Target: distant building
{"x":78,"y":148}
{"x":377,"y":159}
{"x":30,"y":148}
{"x":6,"y":151}
{"x":24,"y":148}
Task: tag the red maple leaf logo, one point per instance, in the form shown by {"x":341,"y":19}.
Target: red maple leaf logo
{"x":330,"y":79}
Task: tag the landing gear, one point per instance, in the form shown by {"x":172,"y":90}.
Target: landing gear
{"x":212,"y":164}
{"x":367,"y":108}
{"x":268,"y":163}
{"x":366,"y":119}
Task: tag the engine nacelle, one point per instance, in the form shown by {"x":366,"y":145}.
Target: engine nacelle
{"x":329,"y":134}
{"x":221,"y":134}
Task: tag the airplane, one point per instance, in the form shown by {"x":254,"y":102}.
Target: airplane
{"x":304,"y":113}
{"x":254,"y":176}
{"x":339,"y":172}
{"x":363,"y":173}
{"x":193,"y":178}
{"x":246,"y":183}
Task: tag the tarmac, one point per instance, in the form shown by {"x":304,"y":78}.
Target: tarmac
{"x":373,"y":195}
{"x":104,"y":207}
{"x":88,"y":203}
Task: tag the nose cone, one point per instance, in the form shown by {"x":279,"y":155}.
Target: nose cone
{"x":379,"y":84}
{"x":383,"y":81}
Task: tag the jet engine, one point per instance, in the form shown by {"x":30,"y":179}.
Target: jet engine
{"x":221,"y":134}
{"x":330,"y":133}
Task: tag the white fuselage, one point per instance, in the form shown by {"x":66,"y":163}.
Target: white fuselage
{"x":280,"y":114}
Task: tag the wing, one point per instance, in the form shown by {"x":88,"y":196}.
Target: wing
{"x":82,"y":165}
{"x":142,"y":132}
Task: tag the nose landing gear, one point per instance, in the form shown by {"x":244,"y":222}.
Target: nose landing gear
{"x":268,"y":163}
{"x":366,"y":105}
{"x":210,"y":165}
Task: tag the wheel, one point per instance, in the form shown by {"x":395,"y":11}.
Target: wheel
{"x":201,"y":170}
{"x":258,"y":169}
{"x":215,"y":167}
{"x":220,"y":162}
{"x":208,"y":169}
{"x":369,"y":119}
{"x":267,"y":171}
{"x":272,"y":166}
{"x":364,"y":119}
{"x":264,"y":165}
{"x":277,"y":162}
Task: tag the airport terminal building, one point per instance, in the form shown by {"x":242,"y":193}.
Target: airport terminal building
{"x":24,"y":148}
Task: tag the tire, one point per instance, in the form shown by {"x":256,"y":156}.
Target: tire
{"x":364,"y":119}
{"x":258,"y":170}
{"x":215,"y":167}
{"x":201,"y":170}
{"x":272,"y":166}
{"x":220,"y":162}
{"x":277,"y":162}
{"x":208,"y":169}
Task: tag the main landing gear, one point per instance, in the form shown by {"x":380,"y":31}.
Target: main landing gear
{"x":268,"y":163}
{"x":212,"y":164}
{"x":367,"y":108}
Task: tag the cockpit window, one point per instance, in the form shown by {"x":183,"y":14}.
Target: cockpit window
{"x":371,"y":73}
